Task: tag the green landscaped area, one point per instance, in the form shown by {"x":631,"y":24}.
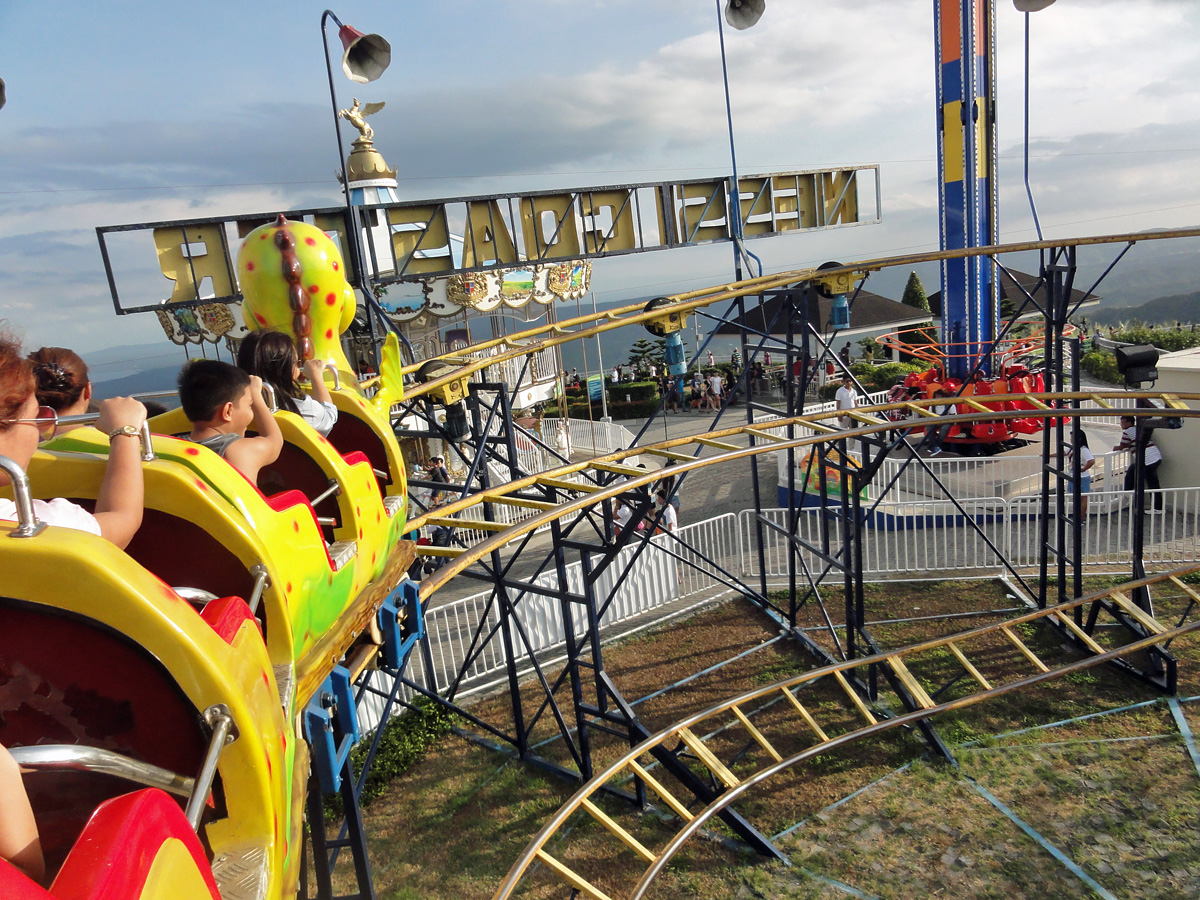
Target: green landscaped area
{"x":1118,"y":794}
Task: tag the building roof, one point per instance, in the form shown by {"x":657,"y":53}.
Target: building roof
{"x":1010,"y":291}
{"x":868,"y":313}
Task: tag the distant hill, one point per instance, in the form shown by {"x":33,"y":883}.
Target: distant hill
{"x":1176,"y":308}
{"x":161,"y":378}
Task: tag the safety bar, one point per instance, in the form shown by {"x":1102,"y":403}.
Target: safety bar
{"x":89,"y":418}
{"x":27,"y":521}
{"x":331,"y":366}
{"x":272,"y":400}
{"x":105,"y":762}
{"x":262,"y":578}
{"x":334,"y":490}
{"x":224,"y":732}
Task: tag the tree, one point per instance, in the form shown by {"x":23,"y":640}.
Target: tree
{"x":914,"y":293}
{"x":640,"y":354}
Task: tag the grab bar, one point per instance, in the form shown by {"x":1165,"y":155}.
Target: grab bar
{"x":27,"y":521}
{"x":106,"y":762}
{"x":89,"y":418}
{"x":223,"y":732}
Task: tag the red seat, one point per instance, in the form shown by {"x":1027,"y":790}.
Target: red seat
{"x":226,"y":615}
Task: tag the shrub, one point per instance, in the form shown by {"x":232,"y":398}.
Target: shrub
{"x":635,"y":409}
{"x":637,"y":390}
{"x":405,"y":740}
{"x":1101,"y":365}
{"x":1168,"y":339}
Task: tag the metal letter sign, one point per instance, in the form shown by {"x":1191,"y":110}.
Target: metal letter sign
{"x":418,"y":240}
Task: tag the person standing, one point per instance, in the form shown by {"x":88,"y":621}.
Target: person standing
{"x":1086,"y":460}
{"x":847,"y":400}
{"x":711,"y":362}
{"x":668,"y":518}
{"x":1150,"y":458}
{"x":715,"y":386}
{"x":616,"y":375}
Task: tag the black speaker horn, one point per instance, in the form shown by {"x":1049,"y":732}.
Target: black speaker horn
{"x":742,"y":14}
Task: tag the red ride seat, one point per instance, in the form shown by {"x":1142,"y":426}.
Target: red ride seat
{"x":116,"y":851}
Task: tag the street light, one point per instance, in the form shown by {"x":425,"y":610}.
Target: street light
{"x":364,"y":58}
{"x":740,"y":14}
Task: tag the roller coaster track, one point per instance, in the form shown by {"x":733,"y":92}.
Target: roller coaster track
{"x":580,"y":490}
{"x":460,"y":366}
{"x":607,"y":476}
{"x":783,"y":728}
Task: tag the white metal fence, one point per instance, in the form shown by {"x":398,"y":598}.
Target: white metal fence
{"x":931,"y":537}
{"x":907,"y":541}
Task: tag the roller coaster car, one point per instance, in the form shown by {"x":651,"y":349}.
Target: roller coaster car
{"x":131,"y":685}
{"x":208,"y":529}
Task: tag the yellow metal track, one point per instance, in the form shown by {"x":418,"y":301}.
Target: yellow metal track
{"x":789,"y":740}
{"x":542,"y":337}
{"x":674,"y":454}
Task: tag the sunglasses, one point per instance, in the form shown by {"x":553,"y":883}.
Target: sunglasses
{"x":46,"y":421}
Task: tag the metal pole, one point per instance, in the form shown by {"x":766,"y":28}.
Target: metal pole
{"x":352,"y":234}
{"x":734,"y":213}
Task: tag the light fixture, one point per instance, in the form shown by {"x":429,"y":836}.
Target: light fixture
{"x":366,"y":56}
{"x":1028,"y":6}
{"x":742,"y":14}
{"x":1137,"y":364}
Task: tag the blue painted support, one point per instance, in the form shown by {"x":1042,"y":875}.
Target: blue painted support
{"x":967,"y":186}
{"x":399,"y":638}
{"x":331,"y":728}
{"x":1071,"y":865}
{"x":674,"y":356}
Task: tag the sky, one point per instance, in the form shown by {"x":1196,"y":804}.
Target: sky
{"x":136,"y":112}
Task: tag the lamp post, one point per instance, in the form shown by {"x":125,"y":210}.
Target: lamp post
{"x":1026,"y":7}
{"x":364,"y":58}
{"x":740,"y":14}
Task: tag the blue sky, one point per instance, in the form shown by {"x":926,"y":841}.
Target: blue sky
{"x":139,"y":111}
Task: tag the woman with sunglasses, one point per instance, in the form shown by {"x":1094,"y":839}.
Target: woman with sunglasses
{"x":23,"y":423}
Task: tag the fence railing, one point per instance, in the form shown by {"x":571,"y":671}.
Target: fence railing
{"x":933,"y":536}
{"x":911,"y":541}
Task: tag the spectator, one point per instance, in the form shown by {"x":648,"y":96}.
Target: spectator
{"x":711,"y":361}
{"x":653,"y":371}
{"x":847,"y":400}
{"x":118,"y":511}
{"x":616,"y":375}
{"x":715,"y":387}
{"x":1086,"y":461}
{"x":62,"y":382}
{"x":937,"y":433}
{"x":1150,"y":458}
{"x":271,"y":356}
{"x":668,"y":519}
{"x":221,"y":401}
{"x":438,"y":473}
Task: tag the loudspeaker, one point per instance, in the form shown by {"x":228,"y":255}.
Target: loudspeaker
{"x":366,"y":55}
{"x":742,"y":14}
{"x":1137,"y":363}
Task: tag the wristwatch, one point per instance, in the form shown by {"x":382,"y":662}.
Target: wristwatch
{"x":126,"y":430}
